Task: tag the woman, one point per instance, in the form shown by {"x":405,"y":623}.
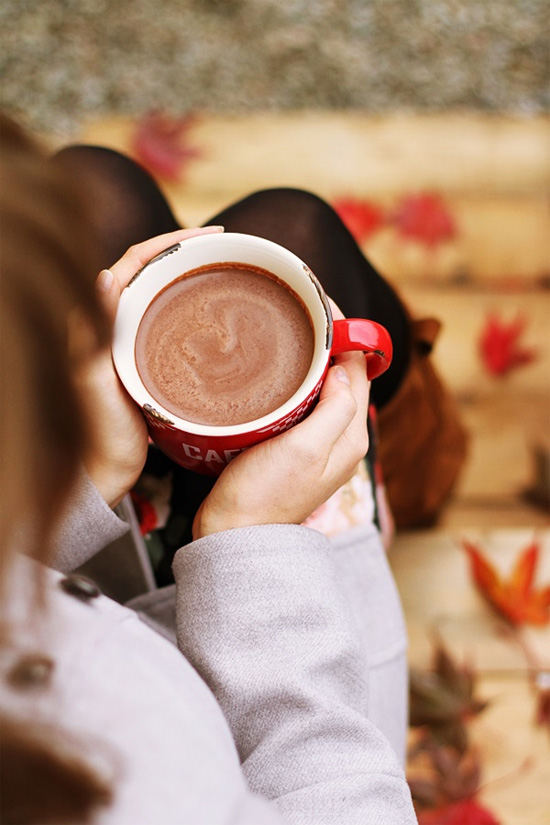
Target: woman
{"x":263,"y":715}
{"x":127,"y":206}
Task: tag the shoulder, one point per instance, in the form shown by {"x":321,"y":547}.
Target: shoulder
{"x":126,"y":693}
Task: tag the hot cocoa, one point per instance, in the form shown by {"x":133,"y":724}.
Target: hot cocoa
{"x":225,"y":344}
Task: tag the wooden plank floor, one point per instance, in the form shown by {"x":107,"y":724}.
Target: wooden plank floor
{"x":495,"y":176}
{"x":433,"y":578}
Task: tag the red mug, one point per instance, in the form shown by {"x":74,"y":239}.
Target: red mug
{"x":207,"y":449}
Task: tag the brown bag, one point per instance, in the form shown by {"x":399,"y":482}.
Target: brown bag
{"x":422,"y":443}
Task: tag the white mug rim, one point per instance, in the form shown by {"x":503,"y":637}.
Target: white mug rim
{"x":136,"y":297}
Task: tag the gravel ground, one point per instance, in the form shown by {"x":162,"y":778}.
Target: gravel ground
{"x":63,"y":61}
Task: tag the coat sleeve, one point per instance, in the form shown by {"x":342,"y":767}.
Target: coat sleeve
{"x":262,"y":616}
{"x":88,"y":526}
{"x":369,"y":590}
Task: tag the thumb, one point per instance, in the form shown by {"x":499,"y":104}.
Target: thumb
{"x":334,"y":412}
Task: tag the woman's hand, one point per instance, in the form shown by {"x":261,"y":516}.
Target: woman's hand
{"x":285,"y":479}
{"x":119,"y":432}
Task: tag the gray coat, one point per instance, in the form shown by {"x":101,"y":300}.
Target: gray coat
{"x":284,"y":700}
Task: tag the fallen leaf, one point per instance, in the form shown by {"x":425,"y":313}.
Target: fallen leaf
{"x":465,"y":812}
{"x":151,"y":499}
{"x":442,"y":699}
{"x":444,"y":784}
{"x":362,"y":217}
{"x":500,"y":347}
{"x":160,"y":143}
{"x":425,"y":218}
{"x":515,"y":598}
{"x":145,"y":513}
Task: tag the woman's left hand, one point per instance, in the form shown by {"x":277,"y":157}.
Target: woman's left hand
{"x":119,"y":432}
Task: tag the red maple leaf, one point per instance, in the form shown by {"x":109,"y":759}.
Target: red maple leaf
{"x":500,"y":347}
{"x":362,"y":217}
{"x":463,"y":812}
{"x":145,"y":512}
{"x":515,"y":598}
{"x":425,"y":218}
{"x":160,"y":144}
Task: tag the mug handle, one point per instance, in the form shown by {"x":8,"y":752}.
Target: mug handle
{"x":352,"y":334}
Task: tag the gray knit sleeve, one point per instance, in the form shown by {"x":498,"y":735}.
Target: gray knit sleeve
{"x":262,"y":617}
{"x":88,"y":526}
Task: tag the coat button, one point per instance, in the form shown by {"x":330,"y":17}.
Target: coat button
{"x":31,"y":671}
{"x":80,"y":587}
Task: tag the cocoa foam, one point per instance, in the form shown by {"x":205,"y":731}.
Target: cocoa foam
{"x":223,"y":345}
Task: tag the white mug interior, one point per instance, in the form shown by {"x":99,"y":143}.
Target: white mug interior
{"x":227,"y":247}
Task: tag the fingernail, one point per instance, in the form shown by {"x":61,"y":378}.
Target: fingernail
{"x":105,"y":280}
{"x":342,"y":375}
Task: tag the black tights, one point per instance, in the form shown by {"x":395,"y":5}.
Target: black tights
{"x":127,"y":206}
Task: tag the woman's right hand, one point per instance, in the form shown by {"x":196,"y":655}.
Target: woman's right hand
{"x":285,"y":479}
